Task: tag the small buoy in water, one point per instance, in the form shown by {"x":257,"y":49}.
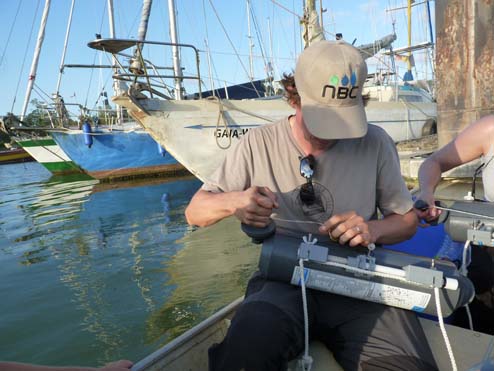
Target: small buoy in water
{"x":88,"y":138}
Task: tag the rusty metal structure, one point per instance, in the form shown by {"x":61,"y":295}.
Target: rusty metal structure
{"x":464,"y":64}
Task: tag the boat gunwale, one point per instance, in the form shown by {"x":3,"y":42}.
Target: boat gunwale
{"x":212,"y":320}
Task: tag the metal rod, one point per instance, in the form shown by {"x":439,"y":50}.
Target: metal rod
{"x":464,"y":212}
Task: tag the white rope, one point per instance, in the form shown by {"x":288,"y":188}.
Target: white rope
{"x":221,"y":118}
{"x":443,"y":330}
{"x":306,"y":361}
{"x":464,"y":271}
{"x":469,"y":315}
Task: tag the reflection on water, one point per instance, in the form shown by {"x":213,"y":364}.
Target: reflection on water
{"x":211,"y":270}
{"x":94,"y":272}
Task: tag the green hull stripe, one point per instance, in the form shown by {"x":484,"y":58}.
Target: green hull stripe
{"x":62,"y":167}
{"x":37,"y":143}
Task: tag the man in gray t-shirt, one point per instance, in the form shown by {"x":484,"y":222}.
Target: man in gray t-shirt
{"x":323,"y":171}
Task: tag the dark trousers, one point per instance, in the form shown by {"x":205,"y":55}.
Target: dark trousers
{"x":268,"y":331}
{"x":481,"y":273}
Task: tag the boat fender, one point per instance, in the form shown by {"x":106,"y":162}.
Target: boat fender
{"x":88,"y":137}
{"x":383,"y":276}
{"x":161,"y":150}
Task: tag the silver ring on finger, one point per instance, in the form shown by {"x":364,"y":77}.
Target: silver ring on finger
{"x":357,"y":229}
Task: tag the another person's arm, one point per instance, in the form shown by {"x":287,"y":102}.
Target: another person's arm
{"x":122,"y":365}
{"x":252,"y":206}
{"x":471,"y":143}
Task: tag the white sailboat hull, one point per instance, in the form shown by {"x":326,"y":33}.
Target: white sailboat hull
{"x":199,"y":133}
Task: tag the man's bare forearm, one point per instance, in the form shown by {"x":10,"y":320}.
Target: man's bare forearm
{"x":394,"y":228}
{"x":207,"y":208}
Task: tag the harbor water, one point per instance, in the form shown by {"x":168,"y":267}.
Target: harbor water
{"x":94,"y":272}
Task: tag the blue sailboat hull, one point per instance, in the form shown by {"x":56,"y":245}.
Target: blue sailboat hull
{"x":117,"y":154}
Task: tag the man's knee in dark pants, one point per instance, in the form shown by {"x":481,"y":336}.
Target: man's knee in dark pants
{"x":260,"y":337}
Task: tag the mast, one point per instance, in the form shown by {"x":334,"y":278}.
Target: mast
{"x":321,"y":12}
{"x":117,"y":84}
{"x":251,"y":44}
{"x":143,"y":26}
{"x":175,"y":50}
{"x":137,"y":62}
{"x":37,"y":51}
{"x":312,"y":30}
{"x":57,"y":99}
{"x":408,"y":75}
{"x":431,"y":52}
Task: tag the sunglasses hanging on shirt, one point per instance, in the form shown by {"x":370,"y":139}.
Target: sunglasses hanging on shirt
{"x":307,"y":166}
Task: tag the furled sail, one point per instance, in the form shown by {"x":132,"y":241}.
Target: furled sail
{"x":371,"y":49}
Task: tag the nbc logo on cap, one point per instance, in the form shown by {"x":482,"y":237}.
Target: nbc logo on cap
{"x":329,"y":77}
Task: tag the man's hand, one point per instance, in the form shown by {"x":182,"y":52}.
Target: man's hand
{"x":350,"y":228}
{"x":256,"y":206}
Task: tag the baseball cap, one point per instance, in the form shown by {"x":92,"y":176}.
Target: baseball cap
{"x":329,"y":77}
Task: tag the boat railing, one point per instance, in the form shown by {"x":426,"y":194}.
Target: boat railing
{"x":140,"y":72}
{"x":62,"y":116}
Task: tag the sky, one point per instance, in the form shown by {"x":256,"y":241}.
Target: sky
{"x":220,"y":24}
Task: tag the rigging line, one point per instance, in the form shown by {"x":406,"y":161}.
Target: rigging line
{"x":40,"y":95}
{"x":10,"y":32}
{"x":25,"y":56}
{"x":246,"y":55}
{"x":42,"y":92}
{"x":108,"y":77}
{"x":133,"y":24}
{"x":259,"y":37}
{"x":90,"y":82}
{"x":271,"y":59}
{"x":94,"y":59}
{"x":232,"y":45}
{"x":286,"y":9}
{"x":212,"y":87}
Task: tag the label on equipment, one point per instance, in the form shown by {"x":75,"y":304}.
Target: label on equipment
{"x":362,"y":289}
